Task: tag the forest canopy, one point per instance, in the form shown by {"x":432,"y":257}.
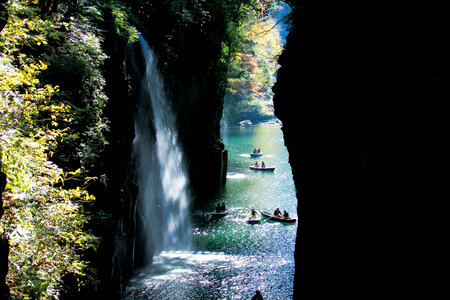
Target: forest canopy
{"x":253,"y":67}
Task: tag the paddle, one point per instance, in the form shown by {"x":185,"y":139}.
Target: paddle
{"x":267,"y":218}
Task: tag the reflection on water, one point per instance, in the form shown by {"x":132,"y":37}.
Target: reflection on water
{"x":231,"y":258}
{"x":232,"y":175}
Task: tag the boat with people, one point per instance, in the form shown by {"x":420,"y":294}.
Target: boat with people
{"x":221,"y":211}
{"x":262,"y":168}
{"x":253,"y":221}
{"x":256,"y":154}
{"x":277,"y":218}
{"x":253,"y":217}
{"x":219,"y":214}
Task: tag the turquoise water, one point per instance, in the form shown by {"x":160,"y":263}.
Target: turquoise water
{"x":230,"y":258}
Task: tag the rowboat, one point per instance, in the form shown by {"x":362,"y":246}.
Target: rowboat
{"x":254,"y":219}
{"x":219,"y":214}
{"x":279,"y":219}
{"x":256,"y":154}
{"x":262,"y":169}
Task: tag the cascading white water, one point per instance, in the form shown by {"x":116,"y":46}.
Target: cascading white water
{"x":163,"y":201}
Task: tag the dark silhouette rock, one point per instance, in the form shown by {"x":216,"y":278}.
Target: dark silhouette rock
{"x":3,"y":14}
{"x":360,"y":93}
{"x":4,"y":246}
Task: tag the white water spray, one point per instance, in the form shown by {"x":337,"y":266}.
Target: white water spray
{"x":163,"y":201}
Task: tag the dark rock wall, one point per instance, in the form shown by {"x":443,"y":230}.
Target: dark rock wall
{"x":115,"y":261}
{"x":188,"y":41}
{"x":4,"y":246}
{"x":360,"y":93}
{"x":3,"y":14}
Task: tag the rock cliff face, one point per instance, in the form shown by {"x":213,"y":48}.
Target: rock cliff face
{"x":4,"y":247}
{"x":3,"y":14}
{"x":360,"y":93}
{"x":189,"y":44}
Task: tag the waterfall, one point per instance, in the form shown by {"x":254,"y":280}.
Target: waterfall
{"x":162,"y":210}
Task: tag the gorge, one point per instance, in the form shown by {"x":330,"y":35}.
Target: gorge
{"x":360,"y":93}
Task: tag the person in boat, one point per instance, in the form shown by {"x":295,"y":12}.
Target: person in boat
{"x":257,"y":296}
{"x":258,"y":150}
{"x":254,"y":151}
{"x":263,"y":165}
{"x":286,"y":215}
{"x":253,"y":213}
{"x":277,"y":212}
{"x":256,"y":164}
{"x":218,"y":207}
{"x":223,"y":207}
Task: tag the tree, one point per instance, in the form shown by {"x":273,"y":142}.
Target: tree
{"x":252,"y":70}
{"x":44,"y":221}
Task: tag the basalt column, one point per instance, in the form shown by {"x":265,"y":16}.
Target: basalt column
{"x":360,"y":93}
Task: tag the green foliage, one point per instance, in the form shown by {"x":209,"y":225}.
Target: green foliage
{"x":44,"y":217}
{"x":253,"y":64}
{"x":75,"y":68}
{"x":75,"y":65}
{"x":121,"y":16}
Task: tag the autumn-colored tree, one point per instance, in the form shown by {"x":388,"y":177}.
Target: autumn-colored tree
{"x":252,"y":69}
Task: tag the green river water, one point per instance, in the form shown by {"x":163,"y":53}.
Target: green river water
{"x":230,"y":258}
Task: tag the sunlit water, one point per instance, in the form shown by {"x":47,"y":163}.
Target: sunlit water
{"x":231,"y":258}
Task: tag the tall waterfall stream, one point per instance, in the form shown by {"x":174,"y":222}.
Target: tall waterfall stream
{"x":163,"y":200}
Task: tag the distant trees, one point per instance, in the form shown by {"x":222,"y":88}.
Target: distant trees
{"x":253,"y":65}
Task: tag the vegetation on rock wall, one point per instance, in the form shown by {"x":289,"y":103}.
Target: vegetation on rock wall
{"x":52,"y":137}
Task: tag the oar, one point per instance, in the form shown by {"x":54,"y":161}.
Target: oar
{"x":267,"y":218}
